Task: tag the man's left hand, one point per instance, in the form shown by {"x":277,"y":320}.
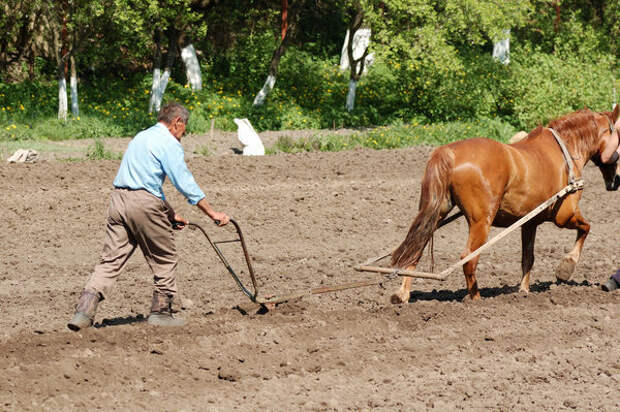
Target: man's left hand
{"x":179,"y":222}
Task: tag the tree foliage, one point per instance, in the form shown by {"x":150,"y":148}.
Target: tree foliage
{"x":432,"y":58}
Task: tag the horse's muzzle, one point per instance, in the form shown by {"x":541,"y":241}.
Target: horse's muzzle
{"x":613,"y":185}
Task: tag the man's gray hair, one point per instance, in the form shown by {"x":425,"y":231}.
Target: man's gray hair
{"x":171,"y":111}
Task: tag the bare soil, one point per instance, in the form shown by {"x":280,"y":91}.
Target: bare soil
{"x":307,"y":219}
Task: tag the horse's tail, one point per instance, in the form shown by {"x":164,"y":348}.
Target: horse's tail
{"x":435,"y":192}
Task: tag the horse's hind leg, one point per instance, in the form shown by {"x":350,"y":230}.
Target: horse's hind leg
{"x":402,"y":295}
{"x":570,"y":260}
{"x":478,"y":234}
{"x":528,"y":236}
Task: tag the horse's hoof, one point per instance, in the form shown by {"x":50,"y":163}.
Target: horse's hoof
{"x":523,"y":290}
{"x":565,"y":270}
{"x":397,"y":298}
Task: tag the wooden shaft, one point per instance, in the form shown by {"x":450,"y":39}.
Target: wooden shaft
{"x":400,"y":272}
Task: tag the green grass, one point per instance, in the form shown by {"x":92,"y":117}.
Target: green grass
{"x":97,"y":151}
{"x":392,"y":137}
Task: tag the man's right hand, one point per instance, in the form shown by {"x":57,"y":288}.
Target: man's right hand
{"x":220,"y":218}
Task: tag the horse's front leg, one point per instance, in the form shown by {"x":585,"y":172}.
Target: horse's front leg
{"x":528,"y":236}
{"x":570,"y":260}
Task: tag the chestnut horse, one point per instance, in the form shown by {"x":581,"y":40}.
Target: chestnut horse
{"x":495,"y":184}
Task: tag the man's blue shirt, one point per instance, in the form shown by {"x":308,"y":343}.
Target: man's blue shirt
{"x":152,"y":155}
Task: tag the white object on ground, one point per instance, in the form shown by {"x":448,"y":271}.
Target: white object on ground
{"x":24,"y":156}
{"x":253,"y":146}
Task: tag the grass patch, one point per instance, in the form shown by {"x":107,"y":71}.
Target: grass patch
{"x":97,"y":151}
{"x":399,"y":136}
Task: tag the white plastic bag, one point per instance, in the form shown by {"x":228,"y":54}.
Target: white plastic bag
{"x":24,"y":156}
{"x":252,"y":145}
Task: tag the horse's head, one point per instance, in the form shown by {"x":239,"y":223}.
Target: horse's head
{"x":606,"y":157}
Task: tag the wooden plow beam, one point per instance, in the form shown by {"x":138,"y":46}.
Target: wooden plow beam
{"x":367,"y":267}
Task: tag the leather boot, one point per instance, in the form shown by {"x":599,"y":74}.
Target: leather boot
{"x":85,"y":310}
{"x":161,"y":312}
{"x":610,"y":285}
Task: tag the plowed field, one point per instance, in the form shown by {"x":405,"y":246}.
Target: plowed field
{"x":307,"y":219}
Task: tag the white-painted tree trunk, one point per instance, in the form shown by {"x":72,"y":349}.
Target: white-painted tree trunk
{"x":267,"y":87}
{"x":75,"y":107}
{"x":351,"y":95}
{"x":154,"y":88}
{"x":162,"y":87}
{"x":192,"y":67}
{"x":62,"y":99}
{"x":159,"y":87}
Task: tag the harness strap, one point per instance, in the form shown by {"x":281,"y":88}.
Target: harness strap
{"x":567,"y":157}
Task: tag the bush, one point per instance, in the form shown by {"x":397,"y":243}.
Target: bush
{"x":545,"y":87}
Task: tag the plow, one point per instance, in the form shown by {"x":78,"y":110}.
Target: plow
{"x":269,"y":302}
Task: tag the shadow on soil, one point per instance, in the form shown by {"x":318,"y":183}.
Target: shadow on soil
{"x":127,"y":320}
{"x":458,"y":295}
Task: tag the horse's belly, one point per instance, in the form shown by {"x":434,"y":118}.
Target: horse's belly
{"x":504,"y":219}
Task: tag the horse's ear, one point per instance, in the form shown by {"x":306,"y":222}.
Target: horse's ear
{"x":614,"y":114}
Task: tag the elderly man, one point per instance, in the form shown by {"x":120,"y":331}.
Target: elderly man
{"x":139,"y":215}
{"x":613,"y":282}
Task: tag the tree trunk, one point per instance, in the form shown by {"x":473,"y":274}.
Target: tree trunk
{"x":155,"y":100}
{"x":192,"y":67}
{"x":356,"y":66}
{"x":75,"y":107}
{"x":350,"y":104}
{"x":62,"y":96}
{"x":284,"y":26}
{"x":63,"y":65}
{"x":158,"y":93}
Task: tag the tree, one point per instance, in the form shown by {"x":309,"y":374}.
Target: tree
{"x":356,"y":66}
{"x":288,"y":23}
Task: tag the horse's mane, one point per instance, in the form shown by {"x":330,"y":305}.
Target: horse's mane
{"x":576,"y":130}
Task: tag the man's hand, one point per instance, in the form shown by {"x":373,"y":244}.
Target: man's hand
{"x":179,"y":222}
{"x":220,"y":218}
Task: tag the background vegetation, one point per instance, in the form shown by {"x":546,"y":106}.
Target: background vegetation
{"x":433,"y":79}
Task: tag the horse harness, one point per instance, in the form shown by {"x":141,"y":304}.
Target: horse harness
{"x":575,"y":183}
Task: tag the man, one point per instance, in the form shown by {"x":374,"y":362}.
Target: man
{"x":613,"y":282}
{"x":139,"y":215}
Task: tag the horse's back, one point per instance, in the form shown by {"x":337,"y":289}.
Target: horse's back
{"x":489,"y":155}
